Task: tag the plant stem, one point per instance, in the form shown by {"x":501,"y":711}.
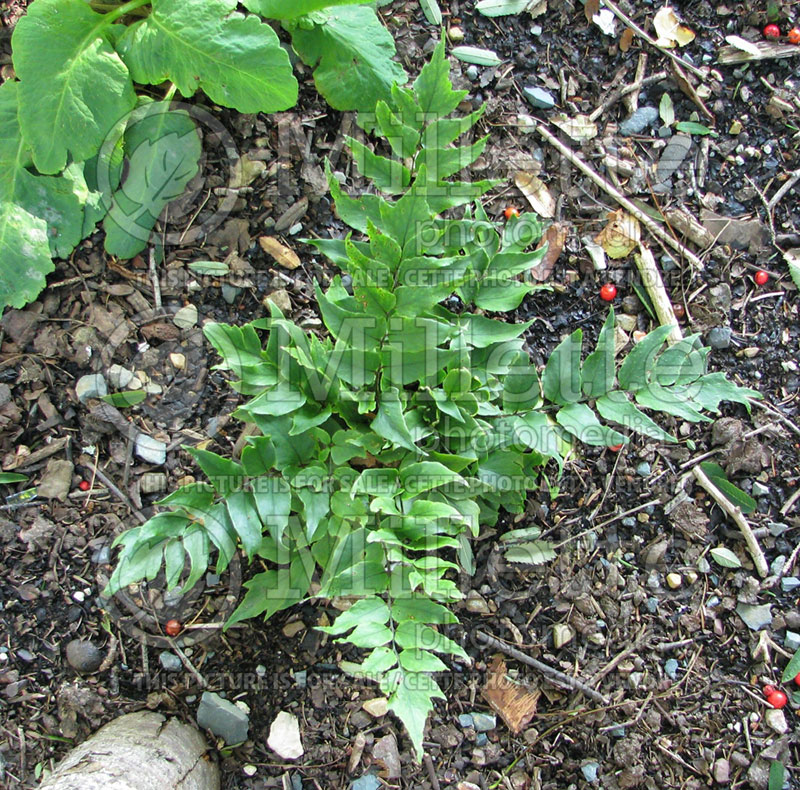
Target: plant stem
{"x":125,"y":8}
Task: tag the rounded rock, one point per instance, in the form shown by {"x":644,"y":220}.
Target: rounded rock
{"x":83,"y":656}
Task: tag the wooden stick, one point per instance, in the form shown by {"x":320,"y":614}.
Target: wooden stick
{"x":759,"y":560}
{"x":651,"y":279}
{"x":556,"y":675}
{"x":611,"y":190}
{"x":730,"y":55}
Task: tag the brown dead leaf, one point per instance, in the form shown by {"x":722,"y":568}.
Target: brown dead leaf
{"x":590,"y":9}
{"x":513,"y":702}
{"x":620,"y":236}
{"x":578,"y":128}
{"x":283,"y":255}
{"x":537,"y":193}
{"x":554,"y":237}
{"x":669,"y":30}
{"x":625,"y":40}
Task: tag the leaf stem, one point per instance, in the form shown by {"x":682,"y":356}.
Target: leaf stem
{"x":125,"y":8}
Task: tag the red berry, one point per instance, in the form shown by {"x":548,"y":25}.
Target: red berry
{"x":84,"y":485}
{"x":769,"y":690}
{"x":172,"y":627}
{"x":608,"y":292}
{"x":794,"y":35}
{"x":761,"y":277}
{"x":777,"y":699}
{"x":511,"y":212}
{"x":772,"y":31}
{"x":615,"y":447}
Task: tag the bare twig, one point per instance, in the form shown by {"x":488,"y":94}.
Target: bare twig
{"x":785,"y":187}
{"x":154,"y":280}
{"x":651,"y":279}
{"x":611,"y":190}
{"x":759,"y":560}
{"x":554,"y":674}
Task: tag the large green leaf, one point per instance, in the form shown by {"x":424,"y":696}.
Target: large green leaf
{"x":598,"y":368}
{"x":54,"y":199}
{"x":74,"y":86}
{"x":163,"y":150}
{"x":245,"y":519}
{"x":433,"y":88}
{"x":561,"y":381}
{"x":291,"y":9}
{"x":579,"y":420}
{"x":237,"y":60}
{"x":351,"y":53}
{"x":411,"y":700}
{"x":634,"y":371}
{"x":25,"y":254}
{"x":616,"y":406}
{"x":390,"y":423}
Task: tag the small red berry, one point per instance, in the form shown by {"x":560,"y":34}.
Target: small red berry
{"x":172,"y":627}
{"x":794,"y":35}
{"x":769,"y":690}
{"x":615,"y":447}
{"x":511,"y":212}
{"x":84,"y":485}
{"x":608,"y":292}
{"x":777,"y":699}
{"x":797,"y":678}
{"x":761,"y":277}
{"x":772,"y":31}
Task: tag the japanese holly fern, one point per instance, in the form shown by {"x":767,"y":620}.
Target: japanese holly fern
{"x":73,"y":118}
{"x":385,"y":445}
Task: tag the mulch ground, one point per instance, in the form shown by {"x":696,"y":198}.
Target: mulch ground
{"x":679,"y":669}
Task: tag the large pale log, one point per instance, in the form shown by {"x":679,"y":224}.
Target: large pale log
{"x":138,"y":751}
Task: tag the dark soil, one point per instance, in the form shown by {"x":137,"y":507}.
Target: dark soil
{"x":679,"y":667}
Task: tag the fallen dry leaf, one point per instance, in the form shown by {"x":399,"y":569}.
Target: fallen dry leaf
{"x":283,"y":255}
{"x":537,"y":193}
{"x":513,"y":702}
{"x":620,"y":236}
{"x":669,"y":29}
{"x":554,"y":237}
{"x":578,"y":128}
{"x":591,"y":8}
{"x":625,"y":40}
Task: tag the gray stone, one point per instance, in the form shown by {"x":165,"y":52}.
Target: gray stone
{"x":473,"y":72}
{"x":789,"y":583}
{"x":652,"y":605}
{"x":618,"y":732}
{"x":102,"y":556}
{"x":759,"y":489}
{"x":540,"y":98}
{"x":297,"y":782}
{"x":223,"y":718}
{"x":589,"y":771}
{"x":186,"y":317}
{"x":791,"y":641}
{"x":84,"y":656}
{"x":643,"y":469}
{"x":720,"y":337}
{"x":119,"y":377}
{"x":639,"y":121}
{"x":169,"y":661}
{"x":481,"y":739}
{"x":722,"y":771}
{"x":629,"y":521}
{"x":671,"y":668}
{"x":465,"y":720}
{"x":151,"y":450}
{"x":366,"y":782}
{"x":230,"y":292}
{"x":483,"y":722}
{"x":90,"y":386}
{"x":755,"y":617}
{"x":664,"y":131}
{"x":777,"y":528}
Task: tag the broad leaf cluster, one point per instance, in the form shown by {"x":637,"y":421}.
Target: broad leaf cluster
{"x":385,"y":445}
{"x":73,"y":116}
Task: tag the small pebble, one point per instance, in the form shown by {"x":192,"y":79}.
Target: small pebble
{"x":791,"y":641}
{"x":643,"y":469}
{"x":249,"y":770}
{"x":376,"y":707}
{"x":481,"y":739}
{"x":25,"y":655}
{"x":301,"y":678}
{"x":776,"y":720}
{"x":102,"y":556}
{"x":629,"y":521}
{"x":78,"y":596}
{"x":720,"y":337}
{"x":789,"y":583}
{"x":465,"y":720}
{"x":539,"y":98}
{"x":455,"y":34}
{"x":722,"y":771}
{"x":652,"y":605}
{"x":674,"y":580}
{"x":618,"y":732}
{"x":91,"y":386}
{"x":589,"y":771}
{"x":671,"y":668}
{"x":169,"y":661}
{"x":639,"y":121}
{"x":83,"y":656}
{"x":483,"y":722}
{"x":261,"y":670}
{"x":473,"y":73}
